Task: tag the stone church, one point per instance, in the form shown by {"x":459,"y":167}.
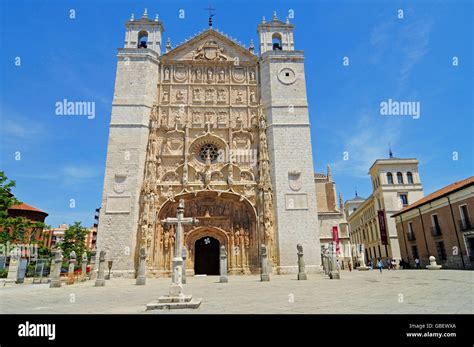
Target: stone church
{"x":226,"y":129}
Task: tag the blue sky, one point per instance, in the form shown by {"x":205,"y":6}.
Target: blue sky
{"x":409,"y":59}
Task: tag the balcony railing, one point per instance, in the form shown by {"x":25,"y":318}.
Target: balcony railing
{"x":411,"y":236}
{"x":436,"y":230}
{"x":466,"y":224}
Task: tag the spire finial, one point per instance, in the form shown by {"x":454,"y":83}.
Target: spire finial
{"x":157,"y":18}
{"x":287,"y":20}
{"x":390,"y":151}
{"x":264,"y":20}
{"x":356,"y":193}
{"x":145,"y":13}
{"x":132,"y":17}
{"x":329,"y":173}
{"x":341,"y":202}
{"x":275,"y":15}
{"x":168,"y":45}
{"x":251,"y":46}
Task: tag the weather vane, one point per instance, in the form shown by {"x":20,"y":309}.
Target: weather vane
{"x":210,"y":9}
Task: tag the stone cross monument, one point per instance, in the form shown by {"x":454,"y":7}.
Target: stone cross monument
{"x":84,"y":267}
{"x":72,"y":264}
{"x":100,"y":281}
{"x":141,"y":278}
{"x":176,"y":298}
{"x":56,"y":275}
{"x":301,"y":271}
{"x":264,"y":275}
{"x":223,"y":266}
{"x":184,"y":256}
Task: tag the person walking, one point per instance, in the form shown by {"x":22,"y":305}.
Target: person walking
{"x":349,"y":265}
{"x":380,"y":265}
{"x":417,"y":263}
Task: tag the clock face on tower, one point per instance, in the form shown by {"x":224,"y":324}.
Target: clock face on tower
{"x":287,"y":76}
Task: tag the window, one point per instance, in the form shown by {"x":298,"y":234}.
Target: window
{"x":404,"y":199}
{"x":209,"y":151}
{"x":411,"y":233}
{"x":380,"y":252}
{"x":276,"y":42}
{"x":389,"y":178}
{"x":410,"y":177}
{"x":441,"y":250}
{"x":465,"y":221}
{"x":142,"y":39}
{"x":399,"y":178}
{"x":435,"y":229}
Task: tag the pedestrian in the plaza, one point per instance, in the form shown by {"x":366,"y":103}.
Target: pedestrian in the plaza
{"x":349,"y":265}
{"x":401,"y":264}
{"x":417,"y":263}
{"x":338,"y":265}
{"x":394,"y":264}
{"x":380,"y":265}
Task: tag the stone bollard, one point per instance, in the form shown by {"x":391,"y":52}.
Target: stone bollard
{"x":84,"y":267}
{"x":184,"y":255}
{"x":301,"y":269}
{"x":433,"y":265}
{"x":56,"y":274}
{"x":264,"y":275}
{"x":141,"y":277}
{"x":72,"y":263}
{"x":100,"y":281}
{"x":223,"y":266}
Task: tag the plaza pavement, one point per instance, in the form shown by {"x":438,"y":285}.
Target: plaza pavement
{"x":357,"y":292}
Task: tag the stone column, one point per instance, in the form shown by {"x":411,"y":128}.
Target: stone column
{"x":184,"y":256}
{"x":72,"y":263}
{"x":264,"y":275}
{"x":223,"y":266}
{"x":100,"y":281}
{"x":301,"y":270}
{"x":84,"y":267}
{"x":56,"y":274}
{"x":141,"y":277}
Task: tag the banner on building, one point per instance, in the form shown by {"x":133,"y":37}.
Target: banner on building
{"x":383,"y":227}
{"x":335,"y":238}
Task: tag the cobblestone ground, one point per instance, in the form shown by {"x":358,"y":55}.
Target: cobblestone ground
{"x":396,"y":291}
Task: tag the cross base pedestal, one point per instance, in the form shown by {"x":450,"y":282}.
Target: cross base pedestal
{"x":174,"y":302}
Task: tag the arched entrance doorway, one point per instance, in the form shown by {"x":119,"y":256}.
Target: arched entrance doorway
{"x":206,"y":256}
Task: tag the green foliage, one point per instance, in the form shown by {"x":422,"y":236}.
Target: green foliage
{"x":23,"y":229}
{"x":3,"y":273}
{"x":74,"y":240}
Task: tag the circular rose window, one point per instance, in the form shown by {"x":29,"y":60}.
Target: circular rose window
{"x":209,"y":150}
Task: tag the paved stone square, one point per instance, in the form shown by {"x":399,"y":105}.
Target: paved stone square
{"x":397,"y":292}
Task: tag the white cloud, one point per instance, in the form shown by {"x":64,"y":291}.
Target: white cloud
{"x":365,"y":142}
{"x":80,"y":172}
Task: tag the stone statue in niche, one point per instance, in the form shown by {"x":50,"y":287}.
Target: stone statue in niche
{"x":167,"y":74}
{"x":252,"y":75}
{"x":221,"y":118}
{"x":198,"y":74}
{"x":210,"y":95}
{"x":197,"y":94}
{"x":164,"y":120}
{"x":221,"y":95}
{"x":196,"y":118}
{"x":179,"y":95}
{"x":253,"y":119}
{"x":165,"y":96}
{"x":221,"y":75}
{"x":210,"y":75}
{"x":252,"y":97}
{"x":239,"y":98}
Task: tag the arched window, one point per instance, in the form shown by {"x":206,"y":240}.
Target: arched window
{"x":410,"y":177}
{"x":389,"y":178}
{"x":399,"y":178}
{"x":276,"y":41}
{"x":142,"y":39}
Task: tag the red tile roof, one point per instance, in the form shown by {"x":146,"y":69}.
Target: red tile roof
{"x":438,"y":194}
{"x":26,"y":207}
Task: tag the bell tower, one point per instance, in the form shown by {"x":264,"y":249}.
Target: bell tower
{"x":135,"y":92}
{"x":284,"y":102}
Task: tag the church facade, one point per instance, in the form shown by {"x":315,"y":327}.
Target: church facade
{"x":226,"y":130}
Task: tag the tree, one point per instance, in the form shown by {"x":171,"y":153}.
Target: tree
{"x":15,"y":229}
{"x":74,"y":240}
